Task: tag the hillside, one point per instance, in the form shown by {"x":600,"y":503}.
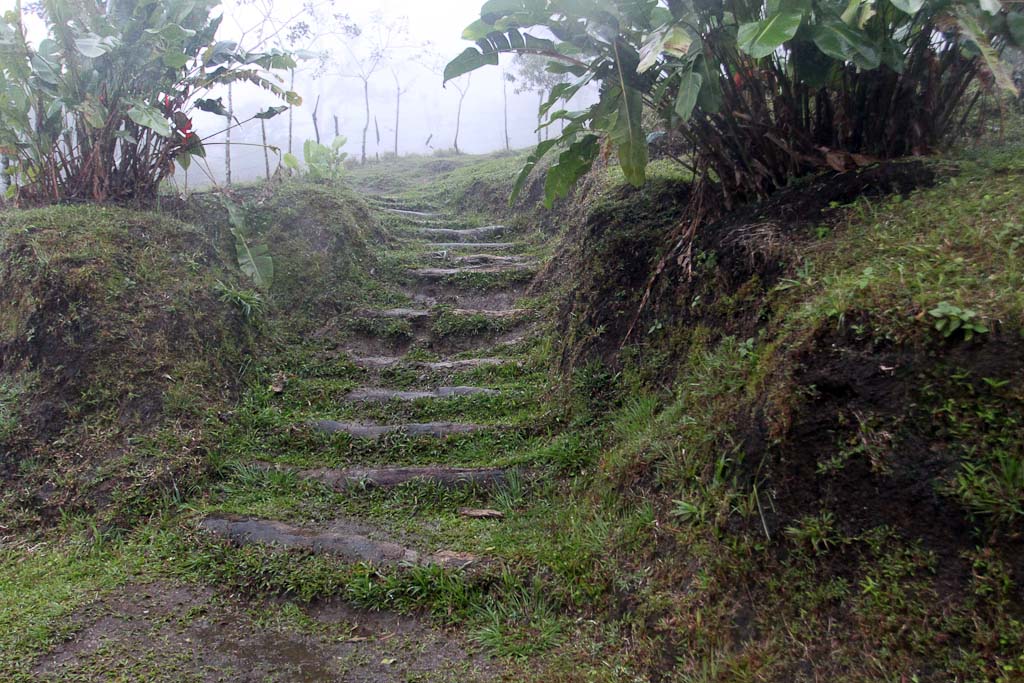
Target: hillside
{"x":460,"y":444}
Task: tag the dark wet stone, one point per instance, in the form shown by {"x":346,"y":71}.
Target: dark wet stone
{"x":345,"y":540}
{"x":389,"y":477}
{"x":374,"y":431}
{"x":368,"y":394}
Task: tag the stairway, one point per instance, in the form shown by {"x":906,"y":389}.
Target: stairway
{"x":426,"y":394}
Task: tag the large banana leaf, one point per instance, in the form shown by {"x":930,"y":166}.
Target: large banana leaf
{"x":254,"y":260}
{"x":761,"y":38}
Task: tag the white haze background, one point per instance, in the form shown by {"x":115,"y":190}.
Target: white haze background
{"x":428,"y":110}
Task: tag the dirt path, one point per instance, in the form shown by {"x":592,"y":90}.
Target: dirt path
{"x":459,"y":322}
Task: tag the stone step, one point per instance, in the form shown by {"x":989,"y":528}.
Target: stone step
{"x":459,"y":235}
{"x":475,"y":245}
{"x":410,"y":314}
{"x":410,"y":212}
{"x":422,"y":314}
{"x":344,"y":539}
{"x":363,"y":430}
{"x":378,"y":394}
{"x":390,"y":477}
{"x":477,"y":259}
{"x":434,"y":274}
{"x":376,"y":362}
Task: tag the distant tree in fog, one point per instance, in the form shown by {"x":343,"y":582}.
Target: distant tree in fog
{"x":462,"y":86}
{"x":365,"y":56}
{"x":531,"y":75}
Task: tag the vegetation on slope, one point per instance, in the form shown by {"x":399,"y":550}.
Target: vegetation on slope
{"x":833,"y":482}
{"x":114,"y":327}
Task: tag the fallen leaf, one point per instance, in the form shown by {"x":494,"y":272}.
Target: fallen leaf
{"x":388,"y":661}
{"x":277,"y":382}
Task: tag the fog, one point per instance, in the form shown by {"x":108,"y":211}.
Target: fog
{"x":417,"y":55}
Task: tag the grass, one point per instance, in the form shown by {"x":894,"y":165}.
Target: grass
{"x":41,"y":588}
{"x":660,"y":518}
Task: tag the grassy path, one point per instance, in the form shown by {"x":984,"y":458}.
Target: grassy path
{"x":370,"y":473}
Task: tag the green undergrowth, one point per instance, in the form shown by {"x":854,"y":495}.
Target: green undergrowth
{"x":462,"y":183}
{"x":835,"y":492}
{"x":113,"y":334}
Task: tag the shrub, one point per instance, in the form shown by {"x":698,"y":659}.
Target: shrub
{"x":101,"y":108}
{"x":757,"y":92}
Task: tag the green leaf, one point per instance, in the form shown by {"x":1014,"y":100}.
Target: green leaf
{"x":1015,"y":22}
{"x":761,"y":38}
{"x":710,"y":96}
{"x":846,"y":44}
{"x":94,"y":46}
{"x":171,"y":33}
{"x":270,"y":112}
{"x":531,"y":162}
{"x":149,"y":117}
{"x":175,"y":60}
{"x":254,"y":260}
{"x":477,"y":30}
{"x":471,"y":59}
{"x":291,"y":161}
{"x":972,"y":30}
{"x":686,"y":100}
{"x":671,"y":39}
{"x":572,"y":164}
{"x":910,"y":7}
{"x":212,"y":106}
{"x":628,"y":135}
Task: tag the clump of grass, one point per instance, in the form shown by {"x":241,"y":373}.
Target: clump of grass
{"x":520,"y":622}
{"x":248,"y":302}
{"x":447,"y":323}
{"x":393,"y":329}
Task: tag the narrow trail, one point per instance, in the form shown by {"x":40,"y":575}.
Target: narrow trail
{"x":387,"y":446}
{"x":446,"y":275}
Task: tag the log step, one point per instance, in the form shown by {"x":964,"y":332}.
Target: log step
{"x":376,"y":362}
{"x":410,"y":212}
{"x":459,"y":235}
{"x":474,"y":245}
{"x":390,"y":477}
{"x":342,"y":539}
{"x":443,"y":273}
{"x":478,"y":259}
{"x":376,"y":394}
{"x":363,"y":430}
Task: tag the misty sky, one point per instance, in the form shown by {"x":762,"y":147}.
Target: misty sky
{"x":428,"y":110}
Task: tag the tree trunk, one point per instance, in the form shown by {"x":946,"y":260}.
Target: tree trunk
{"x":227,"y":145}
{"x":337,"y":127}
{"x":316,"y":124}
{"x":291,"y":114}
{"x":398,"y":113}
{"x":266,"y":150}
{"x":458,"y":121}
{"x":540,"y":120}
{"x":504,"y":102}
{"x":366,"y":123}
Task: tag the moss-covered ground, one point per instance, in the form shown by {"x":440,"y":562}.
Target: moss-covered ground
{"x":805,"y":465}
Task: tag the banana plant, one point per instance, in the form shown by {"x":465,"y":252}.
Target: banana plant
{"x":751,"y":93}
{"x":254,"y":260}
{"x":323,"y":162}
{"x":101,"y":109}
